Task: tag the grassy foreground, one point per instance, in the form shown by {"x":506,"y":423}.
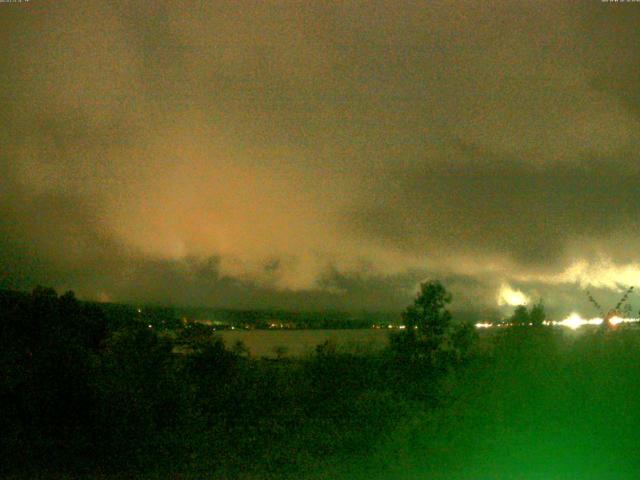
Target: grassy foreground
{"x":543,"y":405}
{"x":84,"y":396}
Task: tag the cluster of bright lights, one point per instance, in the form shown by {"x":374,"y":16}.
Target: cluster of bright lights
{"x":573,"y":321}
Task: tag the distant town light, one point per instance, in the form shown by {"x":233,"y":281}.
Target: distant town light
{"x":573,"y":321}
{"x":616,"y":320}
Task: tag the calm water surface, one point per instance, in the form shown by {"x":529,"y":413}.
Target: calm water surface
{"x":265,"y":343}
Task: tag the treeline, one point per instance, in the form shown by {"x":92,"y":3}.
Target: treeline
{"x":265,"y":319}
{"x":167,"y":318}
{"x":87,"y":390}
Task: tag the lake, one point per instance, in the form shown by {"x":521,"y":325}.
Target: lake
{"x":265,"y":343}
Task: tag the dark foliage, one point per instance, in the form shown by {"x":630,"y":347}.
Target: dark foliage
{"x":430,"y":342}
{"x":92,"y":388}
{"x":532,"y":317}
{"x":47,"y":344}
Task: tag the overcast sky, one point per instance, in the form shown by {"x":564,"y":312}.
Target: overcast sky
{"x":315,"y":155}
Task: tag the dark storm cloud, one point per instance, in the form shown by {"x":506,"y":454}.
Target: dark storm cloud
{"x":55,"y":238}
{"x":316,"y":155}
{"x":533,"y":214}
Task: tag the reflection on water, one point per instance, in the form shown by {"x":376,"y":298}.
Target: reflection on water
{"x":270,"y":343}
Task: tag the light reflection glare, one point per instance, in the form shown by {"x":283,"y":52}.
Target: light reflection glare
{"x":573,"y":321}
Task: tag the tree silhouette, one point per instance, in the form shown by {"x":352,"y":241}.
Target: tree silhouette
{"x":520,"y":316}
{"x":537,"y":314}
{"x":427,"y":323}
{"x":428,"y":314}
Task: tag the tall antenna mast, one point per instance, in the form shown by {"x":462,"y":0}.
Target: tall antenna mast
{"x":615,"y":311}
{"x":624,"y":298}
{"x":595,"y":304}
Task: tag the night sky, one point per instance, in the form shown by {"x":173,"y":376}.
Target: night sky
{"x":320,"y":155}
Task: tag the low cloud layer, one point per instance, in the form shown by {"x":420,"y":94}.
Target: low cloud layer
{"x":313,"y":155}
